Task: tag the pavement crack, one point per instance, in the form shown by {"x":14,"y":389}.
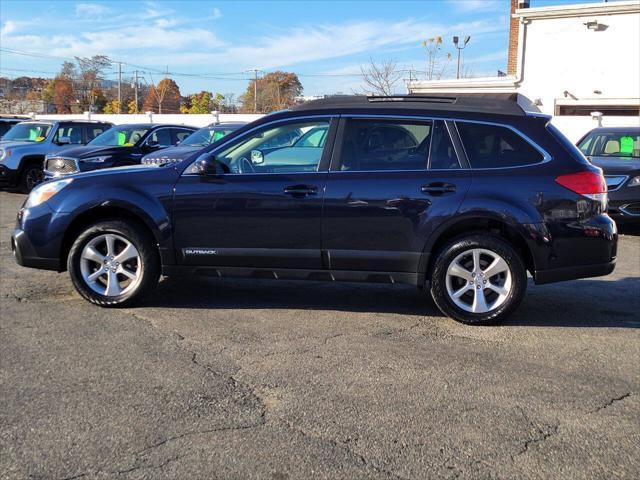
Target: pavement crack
{"x":611,"y":402}
{"x":342,"y":446}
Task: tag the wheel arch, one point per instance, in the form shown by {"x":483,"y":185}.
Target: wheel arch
{"x":101,"y":213}
{"x":470,"y":225}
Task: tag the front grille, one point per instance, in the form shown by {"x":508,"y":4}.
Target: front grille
{"x":61,"y":165}
{"x":631,"y":209}
{"x":614,"y":181}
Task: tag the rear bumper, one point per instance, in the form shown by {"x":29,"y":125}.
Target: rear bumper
{"x":572,"y":273}
{"x":25,"y":253}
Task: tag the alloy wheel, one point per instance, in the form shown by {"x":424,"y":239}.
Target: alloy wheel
{"x":478,"y":280}
{"x":110,"y":265}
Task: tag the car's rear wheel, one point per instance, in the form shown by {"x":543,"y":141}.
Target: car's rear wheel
{"x":478,"y":279}
{"x":114,"y":263}
{"x":31,"y":176}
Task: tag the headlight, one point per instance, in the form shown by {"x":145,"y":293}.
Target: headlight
{"x":45,"y":191}
{"x":4,"y":153}
{"x":159,"y":162}
{"x":634,"y":182}
{"x":96,"y":159}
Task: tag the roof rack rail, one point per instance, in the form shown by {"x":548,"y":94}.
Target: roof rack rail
{"x":411,"y":98}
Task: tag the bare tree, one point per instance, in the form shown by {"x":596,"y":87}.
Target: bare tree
{"x":437,"y":60}
{"x":381,"y":78}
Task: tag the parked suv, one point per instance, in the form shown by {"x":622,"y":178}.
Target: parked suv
{"x":24,"y":147}
{"x":617,"y":151}
{"x":461,"y":196}
{"x":7,"y":122}
{"x":193,"y":143}
{"x":121,"y":145}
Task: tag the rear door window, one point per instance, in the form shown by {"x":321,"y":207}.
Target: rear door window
{"x":94,"y":130}
{"x":72,"y":132}
{"x":443,"y":154}
{"x":493,"y":146}
{"x":179,"y":134}
{"x":373,"y":145}
{"x":162,"y":136}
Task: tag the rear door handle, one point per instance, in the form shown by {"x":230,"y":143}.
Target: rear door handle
{"x":438,"y":188}
{"x":300,"y":190}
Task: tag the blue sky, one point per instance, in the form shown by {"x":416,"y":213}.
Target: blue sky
{"x":209,"y":45}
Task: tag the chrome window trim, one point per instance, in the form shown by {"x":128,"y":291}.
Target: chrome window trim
{"x":274,"y":122}
{"x":546,"y":156}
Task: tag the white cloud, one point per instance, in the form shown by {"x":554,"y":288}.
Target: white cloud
{"x":479,"y":5}
{"x":90,"y":10}
{"x":8,"y":27}
{"x":216,"y":13}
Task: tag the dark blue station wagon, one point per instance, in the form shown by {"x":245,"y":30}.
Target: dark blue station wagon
{"x":460,"y":196}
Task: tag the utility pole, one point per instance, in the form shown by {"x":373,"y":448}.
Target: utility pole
{"x":460,"y":48}
{"x":119,"y":86}
{"x":255,"y":91}
{"x":135,"y":88}
{"x":255,"y":88}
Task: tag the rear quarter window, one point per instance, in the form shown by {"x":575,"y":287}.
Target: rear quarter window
{"x":493,"y":146}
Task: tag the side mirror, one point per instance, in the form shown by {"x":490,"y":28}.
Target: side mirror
{"x":211,"y":166}
{"x":257,"y":157}
{"x":64,"y":141}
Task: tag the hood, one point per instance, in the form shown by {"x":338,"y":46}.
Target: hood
{"x":174,"y":153}
{"x":617,"y":165}
{"x":14,"y":144}
{"x":116,"y":172}
{"x":87,"y":151}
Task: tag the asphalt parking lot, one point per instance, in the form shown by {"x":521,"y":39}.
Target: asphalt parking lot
{"x":293,"y":380}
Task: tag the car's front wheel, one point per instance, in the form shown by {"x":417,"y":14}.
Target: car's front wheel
{"x":478,"y":279}
{"x":114,"y":263}
{"x":31,"y":176}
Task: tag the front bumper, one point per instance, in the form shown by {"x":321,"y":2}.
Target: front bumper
{"x":8,"y":176}
{"x":26,"y":255}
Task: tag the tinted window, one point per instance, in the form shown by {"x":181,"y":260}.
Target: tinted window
{"x":385,"y":145}
{"x":180,"y":134}
{"x":162,"y":136}
{"x":273,"y":149}
{"x":73,"y":132}
{"x":94,"y":130}
{"x":121,"y":136}
{"x":492,"y":146}
{"x":206,"y":136}
{"x":443,"y":155}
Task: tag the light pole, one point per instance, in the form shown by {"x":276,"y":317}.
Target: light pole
{"x":456,"y":42}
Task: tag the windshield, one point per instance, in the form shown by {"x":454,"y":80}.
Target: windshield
{"x":121,"y":136}
{"x":611,"y":144}
{"x":206,"y":136}
{"x":28,"y":132}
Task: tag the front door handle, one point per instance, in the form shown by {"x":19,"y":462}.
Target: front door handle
{"x":300,"y":190}
{"x":438,"y":188}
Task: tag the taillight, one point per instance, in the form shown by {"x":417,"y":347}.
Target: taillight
{"x":584,"y":183}
{"x":588,"y":184}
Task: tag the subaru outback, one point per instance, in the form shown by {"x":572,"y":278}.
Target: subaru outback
{"x":459,"y":196}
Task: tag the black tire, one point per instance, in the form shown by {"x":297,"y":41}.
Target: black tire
{"x":31,"y":176}
{"x":459,"y":246}
{"x":149,"y":262}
